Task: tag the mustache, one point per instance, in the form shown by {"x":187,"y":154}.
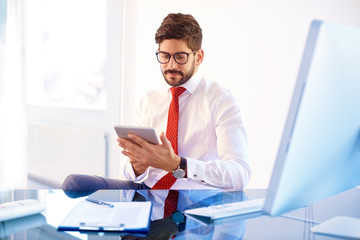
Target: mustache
{"x":173,"y":71}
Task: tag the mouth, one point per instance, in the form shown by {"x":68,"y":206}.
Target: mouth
{"x":173,"y":73}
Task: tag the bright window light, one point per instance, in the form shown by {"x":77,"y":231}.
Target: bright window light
{"x":65,"y":53}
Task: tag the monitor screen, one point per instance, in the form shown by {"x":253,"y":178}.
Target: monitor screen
{"x":319,"y":153}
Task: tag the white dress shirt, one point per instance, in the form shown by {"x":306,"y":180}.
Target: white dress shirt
{"x":211,"y":136}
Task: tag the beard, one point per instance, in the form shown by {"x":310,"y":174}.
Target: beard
{"x":184,"y":76}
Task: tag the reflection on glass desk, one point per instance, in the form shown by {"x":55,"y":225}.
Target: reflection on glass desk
{"x":292,"y":225}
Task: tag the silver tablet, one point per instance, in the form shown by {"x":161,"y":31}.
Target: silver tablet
{"x":146,"y":133}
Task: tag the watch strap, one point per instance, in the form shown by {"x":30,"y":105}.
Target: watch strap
{"x":183,"y":163}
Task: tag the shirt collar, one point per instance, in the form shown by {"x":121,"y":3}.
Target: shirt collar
{"x":193,"y":82}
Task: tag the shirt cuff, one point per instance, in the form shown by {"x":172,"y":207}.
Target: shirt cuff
{"x":141,"y":178}
{"x":195,"y":170}
{"x":130,"y":174}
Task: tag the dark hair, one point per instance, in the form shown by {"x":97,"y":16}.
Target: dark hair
{"x":180,"y":26}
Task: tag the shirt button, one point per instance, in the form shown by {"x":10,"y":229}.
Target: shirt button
{"x":195,"y":176}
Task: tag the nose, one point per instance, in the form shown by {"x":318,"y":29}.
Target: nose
{"x":172,"y":63}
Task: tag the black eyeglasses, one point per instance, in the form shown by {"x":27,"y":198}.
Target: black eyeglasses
{"x":180,"y":57}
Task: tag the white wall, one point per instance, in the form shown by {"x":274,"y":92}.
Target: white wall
{"x":253,"y":48}
{"x":12,"y":116}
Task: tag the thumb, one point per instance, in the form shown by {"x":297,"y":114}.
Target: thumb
{"x":164,"y":139}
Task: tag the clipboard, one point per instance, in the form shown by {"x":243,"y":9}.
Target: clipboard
{"x":124,"y":217}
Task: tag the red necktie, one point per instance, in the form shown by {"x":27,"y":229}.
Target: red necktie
{"x":172,"y":134}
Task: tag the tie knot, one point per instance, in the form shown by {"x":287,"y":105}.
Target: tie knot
{"x":177,"y":91}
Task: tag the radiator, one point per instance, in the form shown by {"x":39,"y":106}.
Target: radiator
{"x":53,"y":152}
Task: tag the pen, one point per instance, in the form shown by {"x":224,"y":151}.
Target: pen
{"x":100,"y":202}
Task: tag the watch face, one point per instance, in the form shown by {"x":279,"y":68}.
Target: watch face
{"x":178,"y":217}
{"x":179,"y":173}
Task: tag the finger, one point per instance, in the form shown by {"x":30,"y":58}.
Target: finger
{"x":119,"y":139}
{"x":138,"y":140}
{"x":129,"y":155}
{"x":135,"y":152}
{"x":137,"y":164}
{"x":126,"y":153}
{"x":122,"y":143}
{"x":127,"y":144}
{"x":132,"y":161}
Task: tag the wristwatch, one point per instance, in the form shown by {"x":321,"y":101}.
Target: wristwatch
{"x":180,"y":171}
{"x":179,"y":219}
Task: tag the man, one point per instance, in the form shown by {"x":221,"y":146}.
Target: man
{"x":208,"y":144}
{"x":211,"y":135}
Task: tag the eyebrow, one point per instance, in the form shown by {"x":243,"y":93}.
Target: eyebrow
{"x":172,"y":54}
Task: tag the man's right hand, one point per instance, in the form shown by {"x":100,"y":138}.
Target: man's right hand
{"x":138,"y":167}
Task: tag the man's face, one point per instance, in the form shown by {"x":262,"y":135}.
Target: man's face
{"x":176,"y":74}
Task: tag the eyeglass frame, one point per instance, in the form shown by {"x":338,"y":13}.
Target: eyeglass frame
{"x":173,"y":56}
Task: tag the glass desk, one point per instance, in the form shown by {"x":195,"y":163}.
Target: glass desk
{"x":293,"y":225}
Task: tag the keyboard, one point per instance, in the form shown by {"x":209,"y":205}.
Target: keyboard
{"x":228,"y":209}
{"x":20,"y":208}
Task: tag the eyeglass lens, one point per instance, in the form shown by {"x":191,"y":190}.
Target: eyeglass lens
{"x":180,"y":58}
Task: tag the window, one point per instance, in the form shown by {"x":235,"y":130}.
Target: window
{"x":73,"y":75}
{"x":66,"y":53}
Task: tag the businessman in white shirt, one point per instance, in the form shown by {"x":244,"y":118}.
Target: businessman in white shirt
{"x":212,"y":148}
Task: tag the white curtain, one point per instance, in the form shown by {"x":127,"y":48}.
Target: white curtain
{"x":12,"y":107}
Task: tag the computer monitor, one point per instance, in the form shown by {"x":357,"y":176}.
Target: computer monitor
{"x":319,"y":154}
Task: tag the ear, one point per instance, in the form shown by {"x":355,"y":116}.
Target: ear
{"x":199,"y":57}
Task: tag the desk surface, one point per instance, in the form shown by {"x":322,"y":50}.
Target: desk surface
{"x":293,"y":225}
